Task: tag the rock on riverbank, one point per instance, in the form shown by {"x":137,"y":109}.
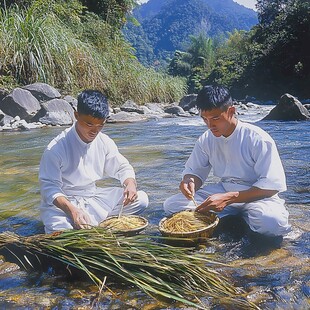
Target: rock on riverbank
{"x":38,"y":105}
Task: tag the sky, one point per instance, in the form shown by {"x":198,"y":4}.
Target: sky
{"x":247,"y":3}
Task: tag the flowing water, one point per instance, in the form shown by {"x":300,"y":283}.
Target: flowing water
{"x":277,"y":278}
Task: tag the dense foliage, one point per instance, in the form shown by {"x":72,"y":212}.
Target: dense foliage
{"x":112,"y":11}
{"x":66,"y":45}
{"x":195,"y":62}
{"x":77,"y":44}
{"x":280,"y":61}
{"x":277,"y":59}
{"x":267,"y":61}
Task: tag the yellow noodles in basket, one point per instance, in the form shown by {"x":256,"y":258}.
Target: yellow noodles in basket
{"x":186,"y":221}
{"x":123,"y":223}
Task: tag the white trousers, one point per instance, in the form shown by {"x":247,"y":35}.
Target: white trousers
{"x":106,"y":202}
{"x":265,"y":216}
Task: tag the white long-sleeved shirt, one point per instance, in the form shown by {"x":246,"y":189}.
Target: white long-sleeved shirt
{"x":248,"y":157}
{"x":71,"y":167}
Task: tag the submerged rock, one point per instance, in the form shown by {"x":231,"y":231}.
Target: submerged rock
{"x":7,"y":267}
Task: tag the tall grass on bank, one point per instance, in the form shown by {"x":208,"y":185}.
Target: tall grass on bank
{"x":164,"y":272}
{"x":37,"y":46}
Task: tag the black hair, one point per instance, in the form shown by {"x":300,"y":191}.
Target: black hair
{"x":213,"y":97}
{"x":94,"y":103}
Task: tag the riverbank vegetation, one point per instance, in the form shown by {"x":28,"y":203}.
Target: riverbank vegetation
{"x":78,"y":44}
{"x":267,"y":61}
{"x":74,"y":45}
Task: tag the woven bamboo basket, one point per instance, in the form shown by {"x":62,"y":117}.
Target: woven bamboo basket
{"x":200,"y":235}
{"x":143,"y":223}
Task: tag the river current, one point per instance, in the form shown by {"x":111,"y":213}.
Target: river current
{"x":158,"y":149}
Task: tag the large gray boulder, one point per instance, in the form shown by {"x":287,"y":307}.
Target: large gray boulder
{"x":42,"y":91}
{"x":188,"y":102}
{"x":72,"y":101}
{"x":20,"y":102}
{"x":156,"y":108}
{"x":126,"y":117}
{"x":289,"y":108}
{"x":175,"y":110}
{"x":55,"y":112}
{"x":130,"y":106}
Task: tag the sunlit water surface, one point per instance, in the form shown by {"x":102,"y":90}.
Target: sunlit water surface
{"x":276,"y":279}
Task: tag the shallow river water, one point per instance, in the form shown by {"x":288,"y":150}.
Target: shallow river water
{"x":275,"y":278}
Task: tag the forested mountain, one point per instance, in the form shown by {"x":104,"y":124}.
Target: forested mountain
{"x":165,"y":25}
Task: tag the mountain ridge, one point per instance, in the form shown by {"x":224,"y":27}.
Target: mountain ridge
{"x":165,"y":25}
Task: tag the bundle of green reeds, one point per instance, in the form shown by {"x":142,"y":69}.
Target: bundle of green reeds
{"x":162,"y":271}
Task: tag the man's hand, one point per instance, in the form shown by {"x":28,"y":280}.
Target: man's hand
{"x":80,"y":219}
{"x":130,"y":191}
{"x":189,"y":185}
{"x":215,"y":202}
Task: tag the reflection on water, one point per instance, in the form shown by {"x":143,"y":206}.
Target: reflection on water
{"x":277,"y":278}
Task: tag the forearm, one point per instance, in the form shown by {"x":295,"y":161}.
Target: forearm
{"x":217,"y":202}
{"x":65,"y":205}
{"x":249,"y":195}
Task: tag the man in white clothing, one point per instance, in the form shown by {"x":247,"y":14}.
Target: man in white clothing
{"x":246,"y":160}
{"x":74,"y":161}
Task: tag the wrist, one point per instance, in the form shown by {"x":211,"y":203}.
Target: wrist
{"x":233,"y":197}
{"x":189,"y":180}
{"x":130,"y":181}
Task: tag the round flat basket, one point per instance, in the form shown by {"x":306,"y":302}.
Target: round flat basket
{"x":127,"y":225}
{"x":189,"y":224}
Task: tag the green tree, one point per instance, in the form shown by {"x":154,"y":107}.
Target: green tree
{"x":180,"y":64}
{"x":281,"y":60}
{"x":273,"y":57}
{"x":112,"y":11}
{"x":268,"y":10}
{"x":202,"y":51}
{"x":195,"y":63}
{"x":232,"y":56}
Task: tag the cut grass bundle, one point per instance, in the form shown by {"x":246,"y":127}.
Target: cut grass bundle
{"x":163,"y":272}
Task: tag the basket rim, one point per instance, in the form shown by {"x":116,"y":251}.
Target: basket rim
{"x":180,"y":233}
{"x":146,"y":223}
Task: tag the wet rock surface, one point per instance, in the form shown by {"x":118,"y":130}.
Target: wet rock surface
{"x":7,"y":267}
